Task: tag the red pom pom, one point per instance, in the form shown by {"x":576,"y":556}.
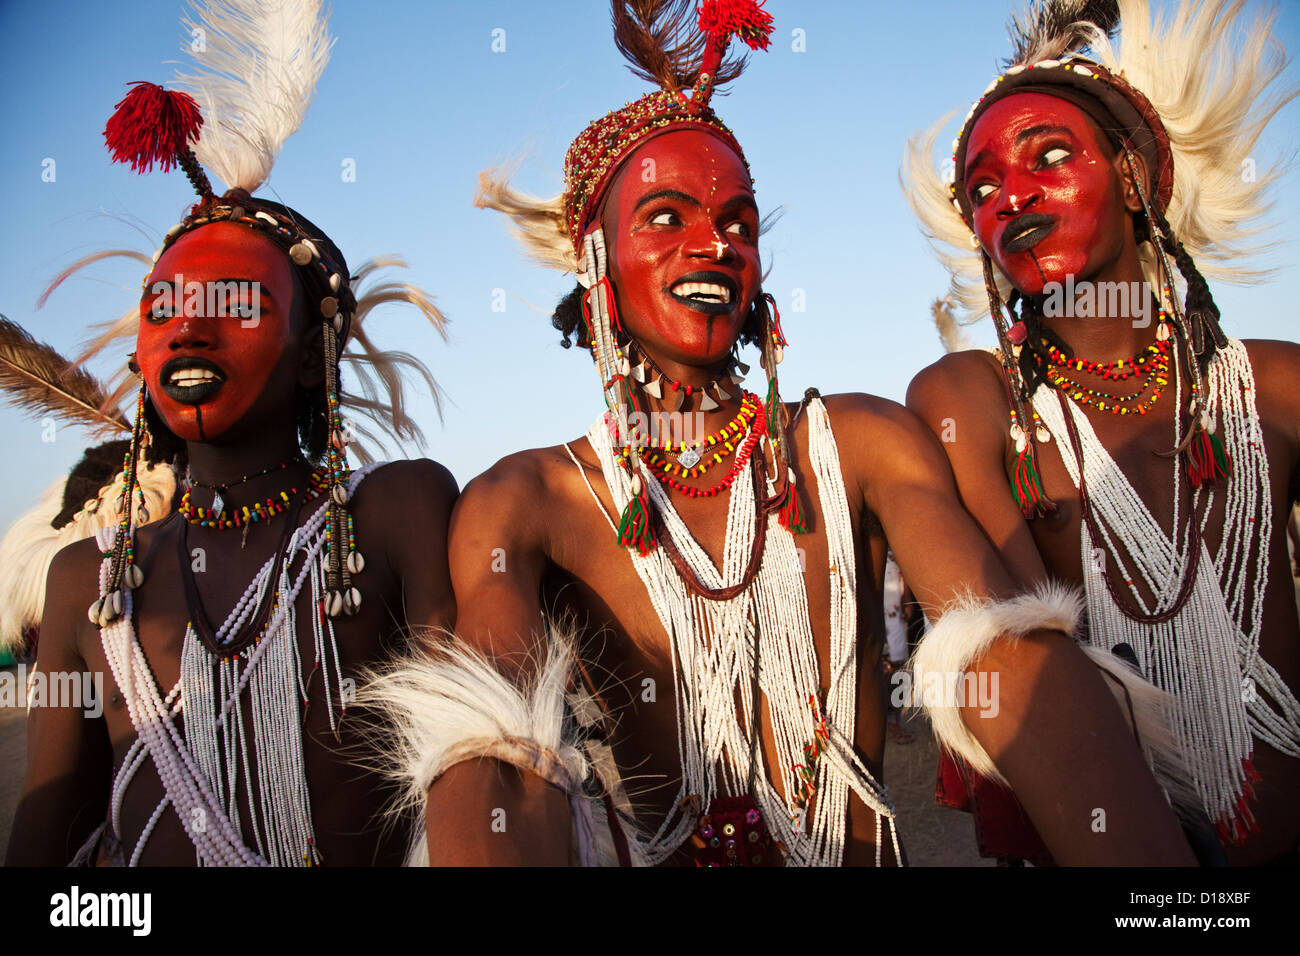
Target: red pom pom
{"x":152,"y":125}
{"x":720,"y":19}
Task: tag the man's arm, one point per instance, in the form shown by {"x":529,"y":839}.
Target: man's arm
{"x":1277,"y":367}
{"x":69,"y":756}
{"x":485,"y":811}
{"x":952,"y":397}
{"x":1055,"y":733}
{"x":414,"y":500}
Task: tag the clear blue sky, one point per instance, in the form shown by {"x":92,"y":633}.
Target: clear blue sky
{"x":416,"y":96}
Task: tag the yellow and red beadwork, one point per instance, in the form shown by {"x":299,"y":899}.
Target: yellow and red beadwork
{"x":1151,"y":366}
{"x":317,"y":484}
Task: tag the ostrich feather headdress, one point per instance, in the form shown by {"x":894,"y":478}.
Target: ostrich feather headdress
{"x":1190,"y":92}
{"x":256,"y":65}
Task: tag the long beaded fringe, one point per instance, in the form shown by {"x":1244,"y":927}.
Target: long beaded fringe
{"x":202,"y":763}
{"x":713,"y":645}
{"x":1208,"y":654}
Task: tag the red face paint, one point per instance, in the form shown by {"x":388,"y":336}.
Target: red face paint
{"x":216,"y":347}
{"x":1047,"y":201}
{"x":683,"y":227}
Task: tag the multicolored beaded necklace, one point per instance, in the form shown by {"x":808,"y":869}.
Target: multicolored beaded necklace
{"x":317,"y":484}
{"x":1152,"y":363}
{"x":749,"y":418}
{"x":694,"y":459}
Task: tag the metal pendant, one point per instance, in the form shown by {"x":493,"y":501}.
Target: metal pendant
{"x":689,"y":458}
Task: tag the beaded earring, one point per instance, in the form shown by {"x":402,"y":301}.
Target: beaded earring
{"x":1026,"y":485}
{"x":341,"y":596}
{"x":124,"y":574}
{"x":791,"y":514}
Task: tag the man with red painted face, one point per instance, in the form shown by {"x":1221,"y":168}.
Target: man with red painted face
{"x":225,"y":641}
{"x":723,"y":555}
{"x":1152,"y":459}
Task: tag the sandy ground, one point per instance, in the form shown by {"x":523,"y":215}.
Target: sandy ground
{"x":931,"y":835}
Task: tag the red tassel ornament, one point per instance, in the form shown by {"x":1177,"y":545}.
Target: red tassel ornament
{"x":635,"y":532}
{"x":152,"y":125}
{"x":1028,"y":487}
{"x":720,"y":20}
{"x":791,"y":514}
{"x":1207,"y":461}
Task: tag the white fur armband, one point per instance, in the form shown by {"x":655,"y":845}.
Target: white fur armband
{"x":449,"y":705}
{"x":942,"y":684}
{"x":963,"y":634}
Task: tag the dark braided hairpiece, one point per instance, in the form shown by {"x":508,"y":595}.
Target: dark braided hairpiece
{"x":1033,"y":360}
{"x":1199,"y":311}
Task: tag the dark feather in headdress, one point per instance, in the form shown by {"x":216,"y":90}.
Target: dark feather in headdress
{"x":1049,"y":30}
{"x":663,"y":44}
{"x":36,"y":378}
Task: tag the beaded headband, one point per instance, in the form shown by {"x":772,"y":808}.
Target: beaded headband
{"x":600,"y":149}
{"x":256,"y":79}
{"x":1119,"y":108}
{"x":598,"y":152}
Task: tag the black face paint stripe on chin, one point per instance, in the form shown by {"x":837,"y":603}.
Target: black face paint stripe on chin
{"x":198,"y":415}
{"x":1038,"y":266}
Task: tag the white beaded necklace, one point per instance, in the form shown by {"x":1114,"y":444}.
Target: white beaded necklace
{"x":1208,"y":653}
{"x":215,"y":732}
{"x":713,"y":652}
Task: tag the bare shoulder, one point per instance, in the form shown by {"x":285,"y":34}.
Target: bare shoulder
{"x":877,"y":437}
{"x":398,"y":484}
{"x":956,"y":382}
{"x":1269,"y":355}
{"x":518,"y":475}
{"x":514,"y":497}
{"x":74,"y":572}
{"x":72,"y":585}
{"x":866,"y":416}
{"x":1276,"y":365}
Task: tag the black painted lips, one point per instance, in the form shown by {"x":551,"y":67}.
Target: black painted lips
{"x":714,"y":278}
{"x":1027,"y":231}
{"x":191,"y":394}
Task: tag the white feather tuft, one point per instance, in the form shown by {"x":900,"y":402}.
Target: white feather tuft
{"x":449,"y":703}
{"x":538,"y":224}
{"x":31,"y":544}
{"x":255,"y":77}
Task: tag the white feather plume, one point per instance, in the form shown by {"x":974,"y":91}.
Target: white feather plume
{"x":257,"y":63}
{"x":1213,"y":76}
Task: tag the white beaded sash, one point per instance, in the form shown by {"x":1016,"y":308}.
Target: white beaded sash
{"x":713,"y":652}
{"x":266,"y":748}
{"x":1207,"y":655}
